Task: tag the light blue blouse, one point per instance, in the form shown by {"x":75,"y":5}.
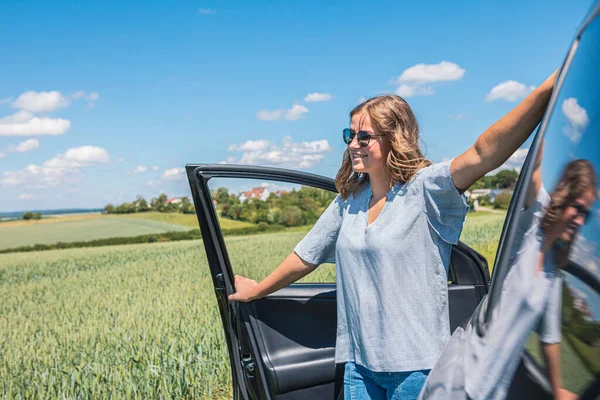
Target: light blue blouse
{"x":392,"y":287}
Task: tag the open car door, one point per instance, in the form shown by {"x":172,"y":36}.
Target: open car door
{"x":282,"y":346}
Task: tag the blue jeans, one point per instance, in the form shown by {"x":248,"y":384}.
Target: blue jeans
{"x":361,"y":383}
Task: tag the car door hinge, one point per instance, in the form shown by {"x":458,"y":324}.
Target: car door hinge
{"x":249,"y":365}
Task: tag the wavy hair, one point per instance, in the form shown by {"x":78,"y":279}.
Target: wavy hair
{"x":577,"y":178}
{"x":391,"y":116}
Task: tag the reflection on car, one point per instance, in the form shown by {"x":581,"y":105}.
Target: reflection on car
{"x":537,"y":334}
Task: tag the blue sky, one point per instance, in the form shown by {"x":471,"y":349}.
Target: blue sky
{"x":102,"y":101}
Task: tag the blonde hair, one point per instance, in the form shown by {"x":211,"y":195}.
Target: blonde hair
{"x":391,"y":116}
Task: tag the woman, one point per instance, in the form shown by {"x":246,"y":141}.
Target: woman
{"x":390,"y":232}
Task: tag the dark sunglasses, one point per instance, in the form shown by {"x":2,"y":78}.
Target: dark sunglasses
{"x":363,"y":137}
{"x":582,"y":211}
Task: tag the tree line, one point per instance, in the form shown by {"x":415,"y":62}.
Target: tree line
{"x":157,"y":204}
{"x":294,"y":208}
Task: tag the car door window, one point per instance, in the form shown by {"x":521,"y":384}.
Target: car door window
{"x":262,"y":221}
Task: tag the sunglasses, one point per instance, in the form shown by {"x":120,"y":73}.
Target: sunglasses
{"x":363,"y":137}
{"x":582,"y":211}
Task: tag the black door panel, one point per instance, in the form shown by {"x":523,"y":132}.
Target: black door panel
{"x":295,"y":327}
{"x":297,"y":336}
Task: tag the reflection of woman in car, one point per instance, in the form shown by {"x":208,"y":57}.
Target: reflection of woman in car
{"x":390,"y":232}
{"x":531,"y":292}
{"x":568,"y":208}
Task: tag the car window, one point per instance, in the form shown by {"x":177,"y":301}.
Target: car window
{"x":262,"y":221}
{"x":547,"y":301}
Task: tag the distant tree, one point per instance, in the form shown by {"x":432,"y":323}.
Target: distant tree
{"x":484,"y":200}
{"x":125,"y":208}
{"x":36,"y":216}
{"x":233,"y":199}
{"x":308,"y":204}
{"x":225,"y":210}
{"x":502,"y":200}
{"x":158,"y":203}
{"x":235,"y":211}
{"x":222,"y":195}
{"x":27,"y":216}
{"x":506,"y":179}
{"x":186,"y":206}
{"x":141,"y":205}
{"x":292,"y":216}
{"x":109,"y":208}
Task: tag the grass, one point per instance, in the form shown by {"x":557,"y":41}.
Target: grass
{"x":187,"y":220}
{"x":482,"y":231}
{"x":73,"y":230}
{"x":97,"y":226}
{"x":49,"y":220}
{"x":133,"y":321}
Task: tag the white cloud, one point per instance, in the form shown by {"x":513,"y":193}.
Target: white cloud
{"x":6,"y":100}
{"x":24,"y":123}
{"x":289,"y":154}
{"x":269,"y":115}
{"x":155,"y":168}
{"x":91,"y":97}
{"x":317,"y":97}
{"x":417,"y":80}
{"x":24,"y":196}
{"x":140,"y":169}
{"x":578,"y":118}
{"x":295,"y":112}
{"x":2,"y":155}
{"x":291,"y":114}
{"x":509,"y":91}
{"x":405,"y":90}
{"x":361,"y":99}
{"x":515,"y":162}
{"x":429,"y":73}
{"x":62,"y":168}
{"x":41,"y":101}
{"x":35,"y":176}
{"x":206,"y":11}
{"x":27,"y":145}
{"x":152,"y":183}
{"x":78,"y":157}
{"x":250,"y":145}
{"x":457,"y":116}
{"x":172,"y":174}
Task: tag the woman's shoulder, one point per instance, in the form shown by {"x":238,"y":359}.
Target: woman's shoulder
{"x":441,"y":168}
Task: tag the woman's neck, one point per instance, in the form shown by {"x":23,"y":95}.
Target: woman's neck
{"x":380,"y":185}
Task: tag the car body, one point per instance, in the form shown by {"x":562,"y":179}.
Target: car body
{"x":282,"y":346}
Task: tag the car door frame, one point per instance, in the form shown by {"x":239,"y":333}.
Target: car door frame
{"x":234,"y":317}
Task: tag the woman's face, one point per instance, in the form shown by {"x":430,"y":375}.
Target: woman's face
{"x":573,"y":216}
{"x":371,"y":159}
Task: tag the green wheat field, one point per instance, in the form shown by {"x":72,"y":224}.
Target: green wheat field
{"x":135,"y":321}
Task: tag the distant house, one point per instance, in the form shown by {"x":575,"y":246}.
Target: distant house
{"x":174,"y":200}
{"x":476,"y":193}
{"x":260,"y":193}
{"x":279,"y":193}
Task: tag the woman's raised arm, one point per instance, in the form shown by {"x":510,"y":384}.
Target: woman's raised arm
{"x":503,"y":138}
